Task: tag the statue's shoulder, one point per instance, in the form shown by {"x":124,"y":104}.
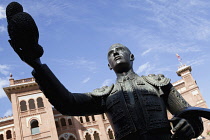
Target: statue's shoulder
{"x":157,"y":80}
{"x":105,"y":90}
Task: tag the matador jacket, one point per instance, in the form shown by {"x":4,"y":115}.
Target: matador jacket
{"x":133,"y":104}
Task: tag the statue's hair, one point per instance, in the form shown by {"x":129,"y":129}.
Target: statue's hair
{"x":119,"y":45}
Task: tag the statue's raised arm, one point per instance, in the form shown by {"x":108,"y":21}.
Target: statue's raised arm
{"x":24,"y":35}
{"x":24,"y":38}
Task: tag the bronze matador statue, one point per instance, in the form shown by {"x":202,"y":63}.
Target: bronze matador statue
{"x":136,"y":106}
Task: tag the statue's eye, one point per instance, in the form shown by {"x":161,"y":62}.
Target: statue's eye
{"x":110,"y":53}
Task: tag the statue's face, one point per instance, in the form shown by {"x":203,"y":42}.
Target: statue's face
{"x":120,"y":58}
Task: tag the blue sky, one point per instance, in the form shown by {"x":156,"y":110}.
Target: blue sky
{"x":76,"y":35}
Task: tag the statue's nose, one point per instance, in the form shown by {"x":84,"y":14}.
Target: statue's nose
{"x":115,"y":50}
{"x":115,"y":53}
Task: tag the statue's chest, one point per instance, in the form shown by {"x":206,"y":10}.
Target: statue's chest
{"x":136,"y":87}
{"x":135,"y":93}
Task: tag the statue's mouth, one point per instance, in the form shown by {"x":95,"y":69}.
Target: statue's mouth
{"x":117,"y":58}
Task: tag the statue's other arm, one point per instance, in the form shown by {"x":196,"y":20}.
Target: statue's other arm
{"x":177,"y":103}
{"x":74,"y":104}
{"x":185,"y":128}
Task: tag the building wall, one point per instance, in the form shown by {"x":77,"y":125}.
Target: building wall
{"x":55,"y":126}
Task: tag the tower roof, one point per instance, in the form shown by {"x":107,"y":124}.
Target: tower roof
{"x":182,"y":69}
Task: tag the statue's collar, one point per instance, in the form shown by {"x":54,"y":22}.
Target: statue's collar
{"x":126,"y":76}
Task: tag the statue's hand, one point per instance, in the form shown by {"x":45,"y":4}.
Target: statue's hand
{"x":24,"y":34}
{"x":24,"y":56}
{"x":181,"y":129}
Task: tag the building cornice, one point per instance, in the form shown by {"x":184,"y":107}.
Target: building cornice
{"x":179,"y":82}
{"x":6,"y":118}
{"x":20,"y":88}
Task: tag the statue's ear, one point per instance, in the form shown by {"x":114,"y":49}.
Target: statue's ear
{"x":109,"y":67}
{"x":132,"y":57}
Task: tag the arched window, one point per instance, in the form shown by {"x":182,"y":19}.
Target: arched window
{"x":103,"y":116}
{"x":56,"y":124}
{"x":87,"y":119}
{"x":34,"y":127}
{"x":71,"y":138}
{"x":63,"y":122}
{"x":1,"y":137}
{"x":62,"y":138}
{"x":9,"y":134}
{"x":69,"y":121}
{"x":40,"y":102}
{"x":96,"y":136}
{"x":87,"y":136}
{"x":23,"y":106}
{"x":31,"y":104}
{"x":81,"y":120}
{"x":93,"y":118}
{"x":111,"y":136}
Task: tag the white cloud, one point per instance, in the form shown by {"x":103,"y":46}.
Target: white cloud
{"x":147,"y":39}
{"x":56,"y":10}
{"x":2,"y":29}
{"x":3,"y":82}
{"x":86,"y":80}
{"x":4,"y":69}
{"x":2,"y":12}
{"x":203,"y":32}
{"x":8,"y":113}
{"x":175,"y":25}
{"x":107,"y":82}
{"x":175,"y":48}
{"x":147,"y":51}
{"x":143,"y":68}
{"x":198,"y":61}
{"x":183,"y":16}
{"x":163,"y":70}
{"x":78,"y":63}
{"x":22,"y":73}
{"x":148,"y":68}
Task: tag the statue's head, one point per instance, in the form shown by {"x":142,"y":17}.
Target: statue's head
{"x":120,"y":58}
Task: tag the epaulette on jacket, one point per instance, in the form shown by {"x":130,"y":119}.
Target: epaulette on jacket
{"x":157,"y":80}
{"x":105,"y":90}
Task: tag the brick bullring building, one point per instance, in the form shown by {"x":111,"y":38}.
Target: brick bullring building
{"x":34,"y":118}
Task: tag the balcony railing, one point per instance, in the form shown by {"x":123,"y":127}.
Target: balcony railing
{"x":27,"y":80}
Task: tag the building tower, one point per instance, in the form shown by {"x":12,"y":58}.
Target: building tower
{"x":189,"y":89}
{"x":32,"y":113}
{"x":187,"y":86}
